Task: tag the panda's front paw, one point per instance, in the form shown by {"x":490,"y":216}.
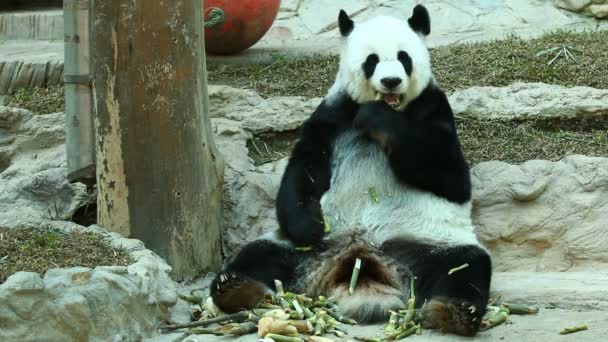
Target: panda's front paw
{"x":306,"y":232}
{"x":232,"y":292}
{"x":452,"y":315}
{"x":376,"y":122}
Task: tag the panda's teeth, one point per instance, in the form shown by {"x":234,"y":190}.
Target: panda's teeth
{"x":378,"y":96}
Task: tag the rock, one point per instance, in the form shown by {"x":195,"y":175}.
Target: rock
{"x":592,"y":8}
{"x":290,"y":5}
{"x":558,"y":289}
{"x":531,"y":101}
{"x":23,"y":282}
{"x":255,"y":114}
{"x":33,"y":182}
{"x":572,"y":5}
{"x":108,"y":303}
{"x":31,"y":25}
{"x":599,"y":11}
{"x":319,"y":21}
{"x":542,"y":215}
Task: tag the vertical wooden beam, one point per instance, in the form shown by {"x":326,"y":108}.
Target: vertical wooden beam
{"x":159,"y":173}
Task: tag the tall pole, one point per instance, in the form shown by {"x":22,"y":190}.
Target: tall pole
{"x":80,"y":134}
{"x":159,"y":174}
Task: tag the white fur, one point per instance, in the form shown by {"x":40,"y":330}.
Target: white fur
{"x":384,"y":36}
{"x":402,"y":211}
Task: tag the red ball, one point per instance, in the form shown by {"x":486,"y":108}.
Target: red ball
{"x":245,"y":23}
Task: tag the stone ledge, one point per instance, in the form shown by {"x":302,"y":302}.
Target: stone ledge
{"x":107,"y":303}
{"x":26,"y":64}
{"x":34,"y":25}
{"x":564,"y":290}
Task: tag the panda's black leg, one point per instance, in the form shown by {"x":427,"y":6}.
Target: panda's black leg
{"x":453,"y":302}
{"x":245,"y":280}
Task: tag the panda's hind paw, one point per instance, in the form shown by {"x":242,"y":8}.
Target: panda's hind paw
{"x":233,"y":292}
{"x":452,"y":315}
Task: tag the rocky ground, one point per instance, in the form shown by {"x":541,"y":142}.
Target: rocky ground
{"x":543,"y":215}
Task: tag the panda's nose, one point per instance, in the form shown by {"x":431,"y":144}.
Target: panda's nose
{"x":390,"y":82}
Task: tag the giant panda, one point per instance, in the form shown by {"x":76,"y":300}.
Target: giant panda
{"x":384,"y":127}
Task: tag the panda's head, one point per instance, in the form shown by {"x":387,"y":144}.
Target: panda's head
{"x":384,"y":58}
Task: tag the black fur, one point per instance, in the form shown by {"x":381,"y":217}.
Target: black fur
{"x":456,"y":302}
{"x":421,"y":143}
{"x":345,"y":24}
{"x":406,"y":61}
{"x":308,"y":172}
{"x":369,"y":66}
{"x":256,"y":266}
{"x":420,"y":20}
{"x":431,"y":265}
{"x":391,"y":82}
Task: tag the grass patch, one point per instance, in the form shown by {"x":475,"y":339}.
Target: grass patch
{"x":482,"y":140}
{"x":38,"y":251}
{"x":37,"y":100}
{"x":516,"y":143}
{"x":460,"y":66}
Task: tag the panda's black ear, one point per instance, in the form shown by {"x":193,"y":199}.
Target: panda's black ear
{"x":420,"y":20}
{"x":345,"y":24}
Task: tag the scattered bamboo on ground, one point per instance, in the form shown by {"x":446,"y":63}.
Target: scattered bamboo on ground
{"x":521,"y":309}
{"x":574,"y":329}
{"x":283,"y":316}
{"x":495,"y":315}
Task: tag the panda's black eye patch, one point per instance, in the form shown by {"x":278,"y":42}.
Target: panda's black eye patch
{"x":370,"y":65}
{"x":406,"y":61}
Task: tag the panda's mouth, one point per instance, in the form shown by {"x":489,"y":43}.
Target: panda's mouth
{"x":391,"y":99}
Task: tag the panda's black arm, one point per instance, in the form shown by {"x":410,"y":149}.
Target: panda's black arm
{"x":421,"y":143}
{"x":308,"y":173}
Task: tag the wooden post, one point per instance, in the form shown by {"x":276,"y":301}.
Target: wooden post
{"x":159,"y":173}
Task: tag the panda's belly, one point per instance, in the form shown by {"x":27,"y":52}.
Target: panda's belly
{"x":365,"y":195}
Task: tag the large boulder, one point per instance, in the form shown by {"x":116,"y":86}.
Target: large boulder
{"x":542,"y":215}
{"x":256,"y":114}
{"x":593,"y":8}
{"x":33,"y":172}
{"x":105,"y":303}
{"x":525,"y":101}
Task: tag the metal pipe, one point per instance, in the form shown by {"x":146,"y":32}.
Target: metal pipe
{"x":80,"y":132}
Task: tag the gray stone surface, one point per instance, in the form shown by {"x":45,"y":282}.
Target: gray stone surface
{"x":33,"y":183}
{"x":542,"y":215}
{"x":26,"y":64}
{"x":33,"y":25}
{"x":255,"y":114}
{"x":310,"y":30}
{"x":592,"y":8}
{"x":565,"y":299}
{"x":106,"y":303}
{"x":531,"y":101}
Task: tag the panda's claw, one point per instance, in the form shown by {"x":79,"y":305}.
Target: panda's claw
{"x":233,"y":292}
{"x":452,"y":315}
